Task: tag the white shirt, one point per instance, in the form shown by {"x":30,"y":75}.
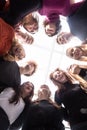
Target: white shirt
{"x":12,"y":110}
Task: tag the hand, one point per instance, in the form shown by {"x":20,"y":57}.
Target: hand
{"x":75,"y":69}
{"x":64,"y":38}
{"x":29,"y":39}
{"x":26,"y":38}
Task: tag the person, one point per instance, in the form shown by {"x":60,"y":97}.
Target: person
{"x":53,"y":9}
{"x":15,"y":53}
{"x":30,"y":22}
{"x":22,"y":37}
{"x":12,"y":103}
{"x":77,"y":52}
{"x":6,"y":37}
{"x":15,"y":12}
{"x":10,"y":72}
{"x":72,"y":96}
{"x":44,"y":113}
{"x":10,"y":48}
{"x":77,"y":24}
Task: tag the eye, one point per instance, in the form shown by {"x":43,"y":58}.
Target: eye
{"x":72,"y":52}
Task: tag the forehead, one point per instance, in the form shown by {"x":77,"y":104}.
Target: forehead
{"x":28,"y":84}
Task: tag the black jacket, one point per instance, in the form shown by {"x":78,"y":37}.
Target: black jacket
{"x":9,"y":74}
{"x":19,"y":9}
{"x":78,"y":22}
{"x":43,"y":115}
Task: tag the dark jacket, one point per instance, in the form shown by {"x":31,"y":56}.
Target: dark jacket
{"x":43,"y":116}
{"x":19,"y":9}
{"x":9,"y":74}
{"x":83,"y":73}
{"x":73,"y":98}
{"x":78,"y":22}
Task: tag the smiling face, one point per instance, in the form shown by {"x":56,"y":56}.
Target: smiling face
{"x":74,"y":53}
{"x":44,"y":92}
{"x":50,"y":29}
{"x":59,"y":76}
{"x":26,"y":89}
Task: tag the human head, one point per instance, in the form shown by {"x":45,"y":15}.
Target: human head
{"x":74,"y":52}
{"x":59,"y":77}
{"x":30,"y":23}
{"x":51,"y":28}
{"x":17,"y":51}
{"x":27,"y":90}
{"x":44,"y":92}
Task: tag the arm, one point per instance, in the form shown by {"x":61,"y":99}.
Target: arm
{"x":82,"y":82}
{"x":83,"y":58}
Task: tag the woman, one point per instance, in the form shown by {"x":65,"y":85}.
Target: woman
{"x":12,"y":103}
{"x":44,"y":113}
{"x":6,"y":37}
{"x":30,"y":22}
{"x":72,"y":96}
{"x":10,"y":49}
{"x":52,"y":9}
{"x":10,"y":73}
{"x":78,"y":52}
{"x":15,"y":53}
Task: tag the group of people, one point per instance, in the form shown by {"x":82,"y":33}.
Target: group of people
{"x":17,"y":107}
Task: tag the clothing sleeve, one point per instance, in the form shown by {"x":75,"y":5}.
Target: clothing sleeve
{"x":57,"y":98}
{"x":78,"y":21}
{"x":6,"y":37}
{"x":83,"y":73}
{"x":20,"y":120}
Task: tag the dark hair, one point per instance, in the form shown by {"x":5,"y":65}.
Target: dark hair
{"x":57,"y":23}
{"x":17,"y":94}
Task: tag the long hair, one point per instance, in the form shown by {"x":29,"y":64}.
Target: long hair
{"x":57,"y":83}
{"x":17,"y":94}
{"x":16,"y":52}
